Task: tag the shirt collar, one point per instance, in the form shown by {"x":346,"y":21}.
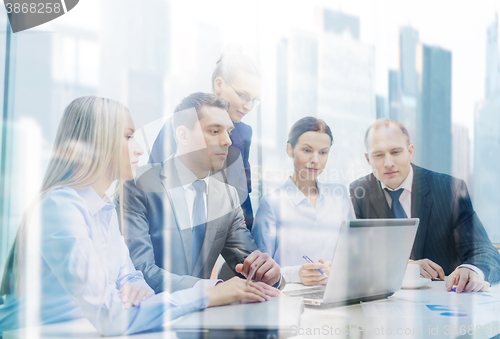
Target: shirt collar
{"x":94,"y":202}
{"x":406,"y":184}
{"x":293,"y":192}
{"x":186,"y":176}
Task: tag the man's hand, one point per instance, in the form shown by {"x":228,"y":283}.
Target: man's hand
{"x":133,"y":294}
{"x":309,"y":274}
{"x":466,"y":280}
{"x":429,"y":269}
{"x":269,"y":271}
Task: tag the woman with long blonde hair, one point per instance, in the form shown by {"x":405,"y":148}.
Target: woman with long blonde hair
{"x":69,"y":259}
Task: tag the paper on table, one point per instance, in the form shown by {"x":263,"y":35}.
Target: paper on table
{"x":447,"y":298}
{"x":396,"y":310}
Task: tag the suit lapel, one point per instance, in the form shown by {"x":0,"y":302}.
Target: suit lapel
{"x":421,"y":207}
{"x":378,"y":200}
{"x":213,"y":221}
{"x":177,"y":198}
{"x":236,"y":138}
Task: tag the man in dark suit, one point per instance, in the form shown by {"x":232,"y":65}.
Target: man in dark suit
{"x":450,"y":239}
{"x":179,"y":217}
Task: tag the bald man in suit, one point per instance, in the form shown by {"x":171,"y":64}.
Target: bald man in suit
{"x":450,"y":239}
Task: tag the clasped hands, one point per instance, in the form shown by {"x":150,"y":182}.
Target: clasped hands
{"x":465,"y":279}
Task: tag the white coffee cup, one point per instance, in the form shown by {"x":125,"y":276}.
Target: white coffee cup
{"x":412,"y":272}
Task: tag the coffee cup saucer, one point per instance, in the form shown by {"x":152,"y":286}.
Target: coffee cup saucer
{"x":415,"y":283}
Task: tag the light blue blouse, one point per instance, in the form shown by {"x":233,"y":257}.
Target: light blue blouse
{"x":83,"y":264}
{"x":287,"y":226}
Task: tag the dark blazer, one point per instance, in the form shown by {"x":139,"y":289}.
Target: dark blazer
{"x":450,"y":232}
{"x":158,"y":233}
{"x":241,"y":139}
{"x":238,"y":173}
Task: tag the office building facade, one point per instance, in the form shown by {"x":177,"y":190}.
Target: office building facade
{"x":434,"y":108}
{"x":487,"y":141}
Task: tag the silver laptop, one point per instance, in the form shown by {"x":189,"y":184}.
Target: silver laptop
{"x":369,"y":262}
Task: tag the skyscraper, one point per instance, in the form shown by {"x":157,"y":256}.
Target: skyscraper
{"x":487,"y":141}
{"x":461,"y":155}
{"x":394,"y":94}
{"x":341,"y":23}
{"x":487,"y":165}
{"x":302,"y":78}
{"x":381,"y":107}
{"x":135,"y":56}
{"x":408,"y":40}
{"x":296,"y":97}
{"x":403,"y":84}
{"x":330,"y":75}
{"x":282,"y":91}
{"x":346,"y":100}
{"x":434,"y":108}
{"x":492,"y":85}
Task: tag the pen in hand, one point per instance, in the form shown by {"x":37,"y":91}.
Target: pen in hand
{"x":253,"y":269}
{"x":306,"y":258}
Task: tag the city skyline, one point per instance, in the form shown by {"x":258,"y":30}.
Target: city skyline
{"x":203,"y":39}
{"x":379,"y":25}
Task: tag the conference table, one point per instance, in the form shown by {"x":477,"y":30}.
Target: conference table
{"x":427,"y":312}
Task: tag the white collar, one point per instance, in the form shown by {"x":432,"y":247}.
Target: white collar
{"x":406,"y":184}
{"x":94,"y":202}
{"x":186,"y":176}
{"x":296,"y":194}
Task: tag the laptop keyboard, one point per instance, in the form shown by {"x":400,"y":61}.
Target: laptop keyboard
{"x":311,"y":293}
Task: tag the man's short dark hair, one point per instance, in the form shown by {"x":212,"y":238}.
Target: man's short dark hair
{"x":386,"y":123}
{"x":184,"y":113}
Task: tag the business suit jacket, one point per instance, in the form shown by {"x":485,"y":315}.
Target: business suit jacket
{"x":450,"y":232}
{"x":158,"y":233}
{"x":241,"y":138}
{"x":238,"y":168}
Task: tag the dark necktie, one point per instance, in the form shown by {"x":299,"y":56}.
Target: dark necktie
{"x":396,"y":207}
{"x":199,"y":218}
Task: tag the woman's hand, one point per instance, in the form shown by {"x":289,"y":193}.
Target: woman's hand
{"x":309,"y":274}
{"x":270,"y":291}
{"x":133,"y":294}
{"x":237,"y":289}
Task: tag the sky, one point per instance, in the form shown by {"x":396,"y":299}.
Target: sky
{"x":458,"y":26}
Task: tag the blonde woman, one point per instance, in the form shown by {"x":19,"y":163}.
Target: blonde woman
{"x":69,"y":252}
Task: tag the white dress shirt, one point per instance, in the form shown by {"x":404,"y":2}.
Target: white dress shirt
{"x":405,"y":197}
{"x":405,"y":200}
{"x":187,"y":179}
{"x":84,"y":263}
{"x":287,"y":226}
